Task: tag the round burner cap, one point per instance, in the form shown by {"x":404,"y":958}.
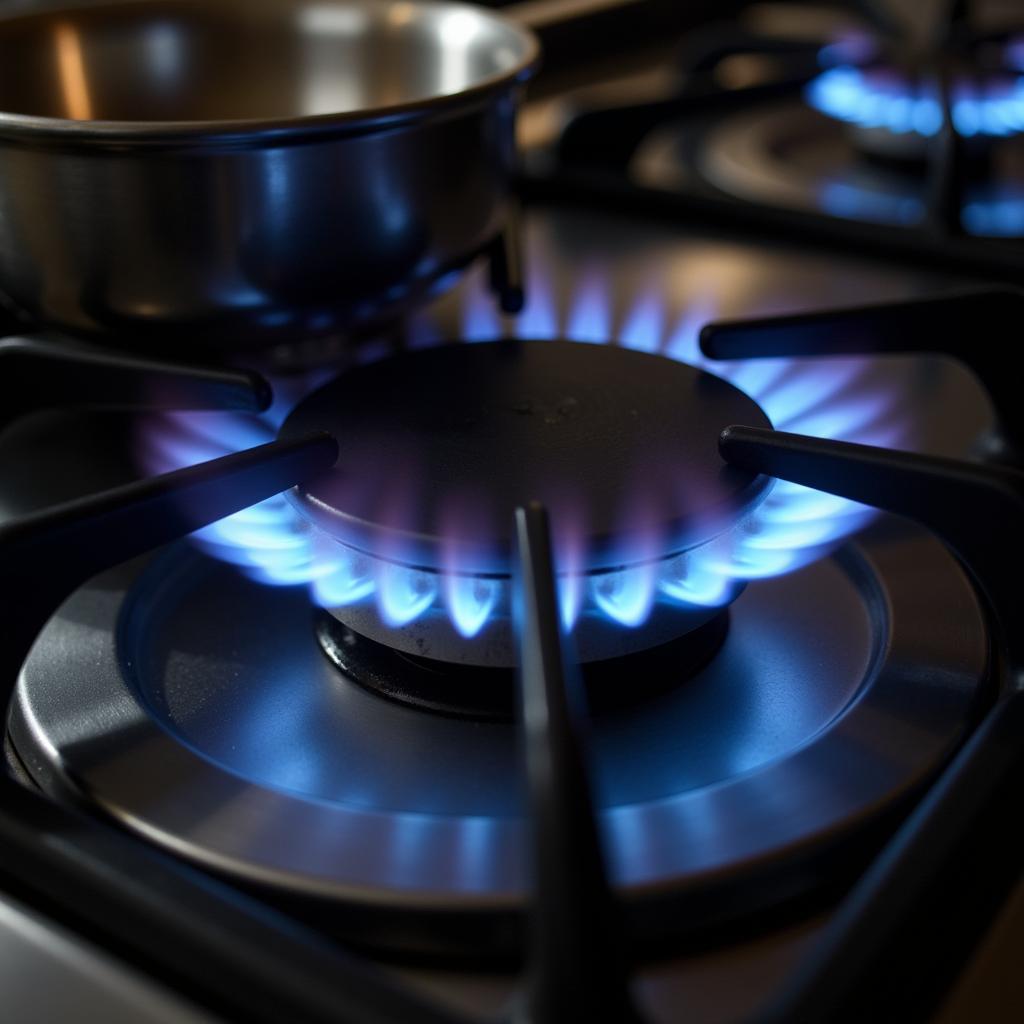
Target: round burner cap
{"x":439,"y":447}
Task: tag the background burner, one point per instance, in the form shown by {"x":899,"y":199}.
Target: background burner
{"x":439,"y":447}
{"x":788,"y":154}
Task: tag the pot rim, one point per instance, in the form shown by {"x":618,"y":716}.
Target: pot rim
{"x":33,"y":127}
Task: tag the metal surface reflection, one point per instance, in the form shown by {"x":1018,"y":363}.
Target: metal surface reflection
{"x":210,"y":721}
{"x":71,"y":66}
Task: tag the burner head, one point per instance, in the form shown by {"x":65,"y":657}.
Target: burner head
{"x":439,"y":447}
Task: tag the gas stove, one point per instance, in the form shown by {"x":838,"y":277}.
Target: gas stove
{"x":650,"y":652}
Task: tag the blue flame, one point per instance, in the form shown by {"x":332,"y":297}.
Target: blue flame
{"x":590,"y":319}
{"x":627,"y":596}
{"x":644,"y":327}
{"x":992,"y":209}
{"x":347,"y":578}
{"x":471,"y":601}
{"x":876,"y":99}
{"x":403,"y":594}
{"x":539,"y":318}
{"x":273,"y":544}
{"x":852,"y":202}
{"x":996,"y":216}
{"x":570,"y":598}
{"x":480,"y":320}
{"x":694,"y":582}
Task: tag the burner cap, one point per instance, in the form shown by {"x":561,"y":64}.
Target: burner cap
{"x":439,"y":447}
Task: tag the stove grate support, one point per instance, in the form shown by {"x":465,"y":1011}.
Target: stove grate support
{"x":227,"y":949}
{"x":505,"y":271}
{"x":952,"y":862}
{"x":71,"y":374}
{"x":948,"y":169}
{"x":576,"y":963}
{"x":972,"y":327}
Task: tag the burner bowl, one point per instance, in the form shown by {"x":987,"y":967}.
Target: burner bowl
{"x":202,"y":717}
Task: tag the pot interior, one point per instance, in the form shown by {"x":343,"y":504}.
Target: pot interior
{"x":200,"y":61}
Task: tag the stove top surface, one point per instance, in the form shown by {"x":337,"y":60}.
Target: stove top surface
{"x":323,"y":700}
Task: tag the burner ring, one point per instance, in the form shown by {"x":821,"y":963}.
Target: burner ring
{"x":449,"y":688}
{"x":438,"y":449}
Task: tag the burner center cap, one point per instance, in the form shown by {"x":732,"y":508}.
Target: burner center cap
{"x":439,"y":447}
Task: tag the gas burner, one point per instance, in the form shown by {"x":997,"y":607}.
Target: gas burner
{"x":202,"y":717}
{"x":896,"y":100}
{"x":440,"y":447}
{"x":897,"y":106}
{"x":797,"y":159}
{"x":864,"y":140}
{"x":773,"y":127}
{"x":652,"y":539}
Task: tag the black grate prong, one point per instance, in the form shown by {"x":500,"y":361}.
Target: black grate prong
{"x":576,"y":966}
{"x":948,"y":170}
{"x":221,"y":947}
{"x":975,"y":509}
{"x":506,"y":266}
{"x":974,"y":327}
{"x":891,"y":928}
{"x":37,"y":373}
{"x":928,"y":897}
{"x":48,"y":554}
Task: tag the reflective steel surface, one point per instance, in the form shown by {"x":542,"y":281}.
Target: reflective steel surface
{"x":230,"y":174}
{"x":202,"y":713}
{"x":49,"y":974}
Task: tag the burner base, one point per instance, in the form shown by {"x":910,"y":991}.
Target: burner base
{"x":468,"y":691}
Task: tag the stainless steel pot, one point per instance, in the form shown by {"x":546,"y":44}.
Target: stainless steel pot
{"x":189,"y":172}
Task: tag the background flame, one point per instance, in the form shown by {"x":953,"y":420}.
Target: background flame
{"x":876,"y":99}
